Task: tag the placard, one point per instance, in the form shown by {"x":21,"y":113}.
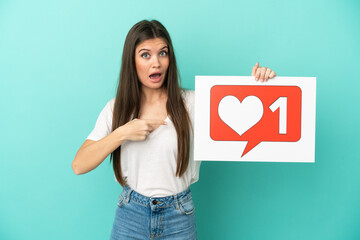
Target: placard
{"x":240,"y":119}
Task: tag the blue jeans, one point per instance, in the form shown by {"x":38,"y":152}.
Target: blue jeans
{"x":141,"y":217}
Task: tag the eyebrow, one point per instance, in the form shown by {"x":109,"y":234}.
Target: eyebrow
{"x":144,"y":49}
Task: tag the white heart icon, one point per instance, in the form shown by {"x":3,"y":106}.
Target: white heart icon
{"x":240,"y":116}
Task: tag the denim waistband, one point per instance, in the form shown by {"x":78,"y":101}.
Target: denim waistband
{"x":129,"y":193}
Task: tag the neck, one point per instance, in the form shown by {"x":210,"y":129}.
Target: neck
{"x":151,"y":95}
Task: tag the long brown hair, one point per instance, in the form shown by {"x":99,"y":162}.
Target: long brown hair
{"x":127,"y":101}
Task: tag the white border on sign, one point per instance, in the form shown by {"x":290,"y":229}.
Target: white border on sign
{"x":206,"y":149}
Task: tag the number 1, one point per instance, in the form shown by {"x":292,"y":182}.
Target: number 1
{"x":281,"y":103}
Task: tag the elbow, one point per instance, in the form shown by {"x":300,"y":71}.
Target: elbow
{"x":75,"y":168}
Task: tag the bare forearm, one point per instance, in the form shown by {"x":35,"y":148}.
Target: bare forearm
{"x":92,"y":155}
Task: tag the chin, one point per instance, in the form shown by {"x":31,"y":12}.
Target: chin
{"x":154,"y":85}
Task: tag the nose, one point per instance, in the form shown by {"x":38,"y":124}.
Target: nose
{"x":156,"y":62}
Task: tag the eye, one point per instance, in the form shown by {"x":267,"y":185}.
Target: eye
{"x":145,"y":55}
{"x":163,"y":53}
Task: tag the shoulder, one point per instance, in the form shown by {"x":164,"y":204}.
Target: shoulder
{"x":108,"y":110}
{"x":104,"y":122}
{"x":188,"y":95}
{"x":189,"y":99}
{"x":110,"y":105}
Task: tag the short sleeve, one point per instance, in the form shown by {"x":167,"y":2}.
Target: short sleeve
{"x":103,"y":123}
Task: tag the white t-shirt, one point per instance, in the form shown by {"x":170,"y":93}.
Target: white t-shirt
{"x":149,"y":166}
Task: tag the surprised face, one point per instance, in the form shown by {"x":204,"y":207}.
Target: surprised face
{"x":152,"y":62}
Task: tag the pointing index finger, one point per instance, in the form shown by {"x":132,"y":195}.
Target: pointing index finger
{"x":155,"y":122}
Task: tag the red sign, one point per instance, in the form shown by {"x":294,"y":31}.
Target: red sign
{"x":255,"y":114}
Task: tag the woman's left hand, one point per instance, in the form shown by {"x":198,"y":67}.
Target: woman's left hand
{"x":262,"y":73}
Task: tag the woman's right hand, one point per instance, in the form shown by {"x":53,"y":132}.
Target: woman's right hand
{"x":139,"y":129}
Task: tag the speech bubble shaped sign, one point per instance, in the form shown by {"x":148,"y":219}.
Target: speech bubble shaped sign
{"x":237,"y":115}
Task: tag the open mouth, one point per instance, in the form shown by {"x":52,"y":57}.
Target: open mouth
{"x":155,"y":76}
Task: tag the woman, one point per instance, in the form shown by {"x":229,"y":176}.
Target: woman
{"x":148,"y":132}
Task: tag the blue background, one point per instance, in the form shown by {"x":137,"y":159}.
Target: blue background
{"x":59,"y":64}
